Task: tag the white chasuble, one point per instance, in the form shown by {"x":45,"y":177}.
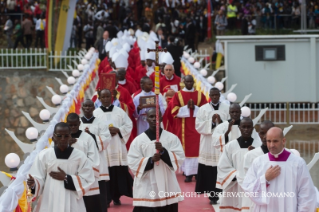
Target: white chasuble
{"x":116,"y":151}
{"x":54,"y":195}
{"x":152,"y":188}
{"x":208,"y":154}
{"x":294,"y":181}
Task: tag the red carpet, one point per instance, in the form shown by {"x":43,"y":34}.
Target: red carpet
{"x":190,"y":204}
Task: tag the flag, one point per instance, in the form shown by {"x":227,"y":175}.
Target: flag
{"x":48,"y":28}
{"x":220,"y":53}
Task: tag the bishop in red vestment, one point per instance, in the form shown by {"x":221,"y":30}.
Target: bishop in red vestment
{"x":170,"y":80}
{"x":185,"y":105}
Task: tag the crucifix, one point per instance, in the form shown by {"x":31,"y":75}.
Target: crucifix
{"x":157,"y":86}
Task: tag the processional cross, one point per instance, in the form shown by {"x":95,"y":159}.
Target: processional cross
{"x":157,"y":86}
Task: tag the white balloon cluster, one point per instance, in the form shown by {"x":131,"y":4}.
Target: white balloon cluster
{"x":16,"y":188}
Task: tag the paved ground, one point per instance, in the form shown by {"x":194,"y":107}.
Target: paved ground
{"x":190,"y":204}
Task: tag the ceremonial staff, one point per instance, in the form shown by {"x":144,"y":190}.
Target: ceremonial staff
{"x":157,"y":86}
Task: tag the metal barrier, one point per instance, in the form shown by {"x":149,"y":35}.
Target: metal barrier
{"x":38,"y":59}
{"x":287,"y":113}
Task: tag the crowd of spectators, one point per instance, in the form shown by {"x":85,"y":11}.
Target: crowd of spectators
{"x":185,"y":20}
{"x":23,"y":22}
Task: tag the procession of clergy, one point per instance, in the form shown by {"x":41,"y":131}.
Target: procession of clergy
{"x":93,"y":157}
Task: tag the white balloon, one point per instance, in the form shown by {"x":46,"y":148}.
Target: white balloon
{"x":71,"y":80}
{"x":211,"y":79}
{"x":84,"y":61}
{"x":196,"y":65}
{"x":232,"y":97}
{"x":80,"y":67}
{"x":203,"y":72}
{"x":191,"y":60}
{"x":64,"y":89}
{"x":87,"y":56}
{"x":56,"y":99}
{"x":219,"y":85}
{"x":245,"y":111}
{"x":32,"y":133}
{"x":45,"y":115}
{"x":12,"y":160}
{"x":75,"y":73}
{"x":186,"y":55}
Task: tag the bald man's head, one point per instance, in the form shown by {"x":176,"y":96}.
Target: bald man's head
{"x":275,"y":140}
{"x":264,"y":127}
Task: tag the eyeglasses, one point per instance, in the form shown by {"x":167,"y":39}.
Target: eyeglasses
{"x":61,"y":136}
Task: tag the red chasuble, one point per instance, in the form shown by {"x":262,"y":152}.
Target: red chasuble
{"x":129,"y":86}
{"x":140,"y":72}
{"x":131,"y":76}
{"x":152,"y":76}
{"x":102,"y":65}
{"x":128,"y":106}
{"x":166,"y":84}
{"x":185,"y":127}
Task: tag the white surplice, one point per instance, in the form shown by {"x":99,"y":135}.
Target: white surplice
{"x":219,"y":135}
{"x":54,"y":195}
{"x":294,"y":179}
{"x":161,"y":178}
{"x":103,"y":137}
{"x":87,"y":145}
{"x":230,"y":165}
{"x":142,"y":124}
{"x":116,"y":151}
{"x":208,"y":154}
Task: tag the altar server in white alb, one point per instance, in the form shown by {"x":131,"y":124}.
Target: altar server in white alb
{"x":101,"y":135}
{"x":229,"y":130}
{"x":153,"y":182}
{"x":231,"y":166}
{"x":62,"y":175}
{"x":258,"y":151}
{"x":120,"y":127}
{"x":252,"y":155}
{"x":83,"y":141}
{"x":280,"y":179}
{"x":208,"y":117}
